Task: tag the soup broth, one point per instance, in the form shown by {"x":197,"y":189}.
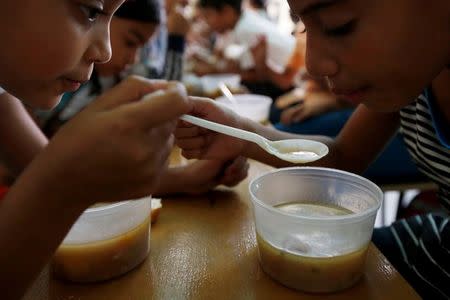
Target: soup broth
{"x":102,"y":260}
{"x":309,"y":268}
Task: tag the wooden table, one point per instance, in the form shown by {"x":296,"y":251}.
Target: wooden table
{"x":204,"y":247}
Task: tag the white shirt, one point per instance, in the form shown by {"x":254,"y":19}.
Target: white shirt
{"x":251,"y":25}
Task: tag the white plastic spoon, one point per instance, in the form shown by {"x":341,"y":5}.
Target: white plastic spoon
{"x":227,"y":93}
{"x":293,"y":150}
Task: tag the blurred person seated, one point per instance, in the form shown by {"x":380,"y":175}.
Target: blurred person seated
{"x":286,"y":80}
{"x":239,"y":32}
{"x":163,"y":56}
{"x":258,"y":6}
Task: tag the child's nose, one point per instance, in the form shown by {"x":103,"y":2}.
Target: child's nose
{"x":319,"y":62}
{"x":100,"y":50}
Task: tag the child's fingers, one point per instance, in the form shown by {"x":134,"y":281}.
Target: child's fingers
{"x":237,"y":165}
{"x":158,"y":162}
{"x":300,"y":117}
{"x":129,"y":90}
{"x":288,"y":100}
{"x":184,"y":124}
{"x":236,"y":172}
{"x":162,"y":132}
{"x":192,"y":143}
{"x":191,"y":154}
{"x":166,"y":151}
{"x":291,"y":115}
{"x":181,"y":133}
{"x":201,"y":106}
{"x":159,"y":107}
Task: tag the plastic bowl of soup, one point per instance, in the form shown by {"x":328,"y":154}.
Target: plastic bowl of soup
{"x":107,"y":241}
{"x":314,"y":226}
{"x":252,"y":106}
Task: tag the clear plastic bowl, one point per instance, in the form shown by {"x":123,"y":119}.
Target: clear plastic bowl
{"x":314,"y":253}
{"x":254,"y":107}
{"x":105,"y":242}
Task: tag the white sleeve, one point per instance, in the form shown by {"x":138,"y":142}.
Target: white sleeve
{"x":1,"y":90}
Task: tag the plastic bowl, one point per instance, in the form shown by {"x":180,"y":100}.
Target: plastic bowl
{"x":105,"y":242}
{"x":254,"y":107}
{"x":314,"y":252}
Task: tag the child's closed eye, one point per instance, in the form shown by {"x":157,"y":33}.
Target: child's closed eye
{"x":341,"y":30}
{"x":131,"y":44}
{"x":91,"y":12}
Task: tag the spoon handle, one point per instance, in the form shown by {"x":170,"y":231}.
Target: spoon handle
{"x":228,"y":130}
{"x":227,"y":93}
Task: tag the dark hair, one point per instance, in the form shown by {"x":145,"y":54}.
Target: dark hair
{"x":148,"y":11}
{"x":258,"y":3}
{"x":220,"y":4}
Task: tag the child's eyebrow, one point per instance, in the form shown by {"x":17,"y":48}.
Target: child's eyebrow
{"x":316,"y":6}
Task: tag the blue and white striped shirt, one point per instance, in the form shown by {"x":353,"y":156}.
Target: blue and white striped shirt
{"x":423,"y":242}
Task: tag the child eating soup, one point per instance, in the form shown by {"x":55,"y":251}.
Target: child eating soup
{"x":392,"y":58}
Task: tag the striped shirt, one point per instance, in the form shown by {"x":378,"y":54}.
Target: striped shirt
{"x":423,"y":242}
{"x":427,"y":137}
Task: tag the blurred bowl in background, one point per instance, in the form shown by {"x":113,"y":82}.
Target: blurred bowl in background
{"x":211,"y":83}
{"x":252,"y":106}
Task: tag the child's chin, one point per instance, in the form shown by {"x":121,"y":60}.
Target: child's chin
{"x":48,"y":104}
{"x":55,"y":101}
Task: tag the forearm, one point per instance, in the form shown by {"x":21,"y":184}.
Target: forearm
{"x":172,"y":182}
{"x":34,"y":218}
{"x":21,"y":138}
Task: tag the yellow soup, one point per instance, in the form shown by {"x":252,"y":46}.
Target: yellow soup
{"x":313,"y":273}
{"x":104,"y":259}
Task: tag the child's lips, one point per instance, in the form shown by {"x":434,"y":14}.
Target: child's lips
{"x":355,"y":96}
{"x":71,"y":85}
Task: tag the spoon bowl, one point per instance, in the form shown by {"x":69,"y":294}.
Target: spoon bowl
{"x":292,"y":150}
{"x":298,"y":150}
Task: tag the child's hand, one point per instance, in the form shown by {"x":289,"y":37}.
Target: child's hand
{"x":299,"y":106}
{"x":204,"y":175}
{"x":234,"y":172}
{"x":116,"y":148}
{"x":291,"y":98}
{"x":200,"y":143}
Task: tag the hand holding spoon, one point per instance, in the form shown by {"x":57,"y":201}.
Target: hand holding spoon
{"x":293,"y":150}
